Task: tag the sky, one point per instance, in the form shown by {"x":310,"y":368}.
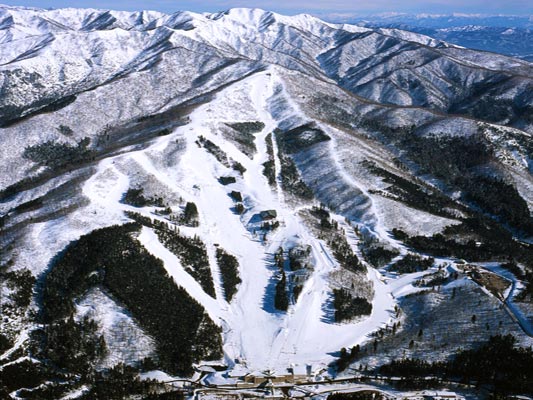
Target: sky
{"x":317,"y":7}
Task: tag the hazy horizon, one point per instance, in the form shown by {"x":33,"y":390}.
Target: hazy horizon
{"x":337,"y":7}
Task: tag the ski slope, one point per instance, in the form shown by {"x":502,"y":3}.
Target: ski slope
{"x":256,"y":336}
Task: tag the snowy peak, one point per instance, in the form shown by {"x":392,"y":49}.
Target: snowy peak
{"x":42,"y":20}
{"x":261,"y":19}
{"x":85,"y":48}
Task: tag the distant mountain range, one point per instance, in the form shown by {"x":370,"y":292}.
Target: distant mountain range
{"x":437,"y":21}
{"x":509,"y":35}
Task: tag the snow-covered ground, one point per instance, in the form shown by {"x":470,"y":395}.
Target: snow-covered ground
{"x":514,"y":309}
{"x":125,"y":77}
{"x":125,"y":342}
{"x":256,"y":336}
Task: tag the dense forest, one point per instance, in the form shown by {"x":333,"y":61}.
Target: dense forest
{"x":118,"y":383}
{"x":227,"y":180}
{"x":220,"y":154}
{"x":377,"y":255}
{"x":281,"y":297}
{"x":291,"y":180}
{"x":193,"y":255}
{"x":73,"y":345}
{"x":21,"y":282}
{"x":57,"y":155}
{"x":344,"y":254}
{"x":475,"y":239}
{"x":462,"y":163}
{"x":336,"y":240}
{"x":348,"y":307}
{"x":269,"y":167}
{"x":190,"y":216}
{"x":229,"y":271}
{"x":456,"y":160}
{"x":135,"y":197}
{"x":245,"y":135}
{"x":412,"y":263}
{"x":498,"y":362}
{"x":301,"y":137}
{"x":416,"y":193}
{"x":215,"y":150}
{"x":113,"y":258}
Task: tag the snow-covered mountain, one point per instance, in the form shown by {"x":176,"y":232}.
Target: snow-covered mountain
{"x":511,"y":36}
{"x":288,"y":179}
{"x":438,"y":21}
